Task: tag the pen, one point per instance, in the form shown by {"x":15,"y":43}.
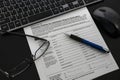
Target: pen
{"x":96,"y":46}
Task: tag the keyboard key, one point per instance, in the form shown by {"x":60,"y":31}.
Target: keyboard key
{"x":7,"y":14}
{"x":25,"y":14}
{"x":27,"y":2}
{"x":30,"y":7}
{"x":41,"y":4}
{"x":71,"y":5}
{"x":75,"y":3}
{"x":18,"y":16}
{"x":42,"y":9}
{"x":52,"y":6}
{"x":19,"y":10}
{"x":55,"y":10}
{"x":10,"y":8}
{"x":40,"y":16}
{"x":89,"y":1}
{"x":13,"y":12}
{"x":62,"y":2}
{"x":6,"y":3}
{"x":22,"y":4}
{"x":61,"y":9}
{"x":47,"y":7}
{"x":24,"y":21}
{"x":36,"y":5}
{"x":4,"y":27}
{"x":57,"y":4}
{"x":1,"y":16}
{"x":13,"y":18}
{"x":4,"y":9}
{"x":1,"y":5}
{"x":11,"y":25}
{"x":31,"y":12}
{"x":16,"y":6}
{"x":65,"y":7}
{"x":17,"y":23}
{"x":36,"y":11}
{"x":4,"y":21}
{"x":81,"y":2}
{"x":46,"y":2}
{"x":33,"y":1}
{"x":12,"y":1}
{"x":25,"y":9}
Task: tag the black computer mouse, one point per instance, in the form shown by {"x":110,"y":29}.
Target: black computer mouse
{"x":109,"y":20}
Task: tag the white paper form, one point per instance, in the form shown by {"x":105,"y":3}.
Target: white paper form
{"x":67,"y":59}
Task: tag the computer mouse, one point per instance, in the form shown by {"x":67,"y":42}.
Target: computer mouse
{"x":109,"y":20}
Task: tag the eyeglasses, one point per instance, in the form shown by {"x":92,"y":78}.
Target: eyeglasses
{"x":25,"y":64}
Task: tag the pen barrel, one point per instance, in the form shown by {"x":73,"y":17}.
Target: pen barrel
{"x":96,"y":46}
{"x":100,"y":48}
{"x":76,"y":38}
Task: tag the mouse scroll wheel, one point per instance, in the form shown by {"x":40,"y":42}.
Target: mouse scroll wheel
{"x":102,"y":10}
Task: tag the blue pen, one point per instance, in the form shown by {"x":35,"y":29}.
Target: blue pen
{"x":96,"y":46}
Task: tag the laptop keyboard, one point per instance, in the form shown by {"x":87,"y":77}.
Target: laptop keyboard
{"x":15,"y":14}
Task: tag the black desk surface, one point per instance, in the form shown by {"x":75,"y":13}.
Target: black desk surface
{"x":14,"y":49}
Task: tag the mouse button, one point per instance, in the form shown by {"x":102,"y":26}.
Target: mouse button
{"x":110,"y":13}
{"x":112,"y":16}
{"x":114,"y":20}
{"x":97,"y":12}
{"x":102,"y":10}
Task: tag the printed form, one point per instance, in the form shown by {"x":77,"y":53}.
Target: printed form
{"x":67,"y":59}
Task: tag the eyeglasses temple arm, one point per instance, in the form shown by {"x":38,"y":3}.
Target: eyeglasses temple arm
{"x":4,"y":73}
{"x":21,"y":34}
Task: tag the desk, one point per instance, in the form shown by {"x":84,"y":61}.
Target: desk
{"x":14,"y":49}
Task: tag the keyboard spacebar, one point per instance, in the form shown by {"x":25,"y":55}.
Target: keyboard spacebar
{"x":40,"y":16}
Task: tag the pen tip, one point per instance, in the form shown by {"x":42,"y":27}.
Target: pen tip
{"x":107,"y":51}
{"x":67,"y":34}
